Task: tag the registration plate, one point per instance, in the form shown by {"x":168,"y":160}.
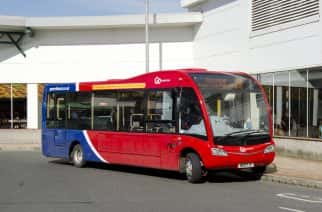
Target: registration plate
{"x":245,"y":165}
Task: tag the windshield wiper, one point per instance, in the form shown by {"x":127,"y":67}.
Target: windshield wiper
{"x":247,"y":133}
{"x":241,"y":132}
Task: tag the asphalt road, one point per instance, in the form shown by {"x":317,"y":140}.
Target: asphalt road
{"x":30,"y":182}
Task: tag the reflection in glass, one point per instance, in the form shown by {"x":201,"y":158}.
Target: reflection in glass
{"x":298,"y":103}
{"x":13,"y":106}
{"x":234,"y":103}
{"x":5,"y":106}
{"x":315,"y":103}
{"x":19,"y":95}
{"x":267,"y":81}
{"x":281,"y":113}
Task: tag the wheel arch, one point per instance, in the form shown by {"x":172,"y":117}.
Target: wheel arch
{"x":182,"y":157}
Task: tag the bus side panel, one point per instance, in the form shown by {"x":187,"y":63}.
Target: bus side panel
{"x":48,"y":146}
{"x":127,"y":148}
{"x":88,"y":145}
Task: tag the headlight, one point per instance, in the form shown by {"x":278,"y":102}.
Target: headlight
{"x":269,"y":149}
{"x":218,"y":152}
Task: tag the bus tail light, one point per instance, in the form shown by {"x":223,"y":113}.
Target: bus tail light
{"x":218,"y":152}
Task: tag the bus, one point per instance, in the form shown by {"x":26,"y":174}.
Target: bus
{"x":188,"y":120}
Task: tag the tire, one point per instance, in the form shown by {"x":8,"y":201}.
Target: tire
{"x":255,"y":173}
{"x":193,"y":168}
{"x":258,"y":172}
{"x":77,"y":156}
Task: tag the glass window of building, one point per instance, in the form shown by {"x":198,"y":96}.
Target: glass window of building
{"x":267,"y":82}
{"x":281,"y":112}
{"x":298,"y":103}
{"x":5,"y":106}
{"x":19,"y":95}
{"x":13,"y":106}
{"x":315,"y":103}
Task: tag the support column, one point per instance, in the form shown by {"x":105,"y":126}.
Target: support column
{"x":32,"y":106}
{"x":315,"y":107}
{"x":279,"y":100}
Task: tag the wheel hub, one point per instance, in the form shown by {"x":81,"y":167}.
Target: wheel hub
{"x":189,"y":168}
{"x":78,"y":156}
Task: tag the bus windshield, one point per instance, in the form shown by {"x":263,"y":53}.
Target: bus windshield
{"x":235,"y":104}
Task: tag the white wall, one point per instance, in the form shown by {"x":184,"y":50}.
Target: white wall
{"x":224,"y":41}
{"x":32,"y":106}
{"x":92,"y":62}
{"x":79,"y":55}
{"x":219,"y":40}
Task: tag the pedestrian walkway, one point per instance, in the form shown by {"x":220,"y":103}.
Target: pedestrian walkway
{"x":300,"y":168}
{"x":296,"y":172}
{"x":19,"y":147}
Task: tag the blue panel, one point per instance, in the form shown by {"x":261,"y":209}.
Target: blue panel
{"x":61,"y":149}
{"x":65,"y":87}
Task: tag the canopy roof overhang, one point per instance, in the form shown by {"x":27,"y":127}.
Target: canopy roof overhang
{"x":13,"y":29}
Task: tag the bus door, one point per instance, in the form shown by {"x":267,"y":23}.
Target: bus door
{"x":161,"y":127}
{"x":56,"y":120}
{"x":130,"y":125}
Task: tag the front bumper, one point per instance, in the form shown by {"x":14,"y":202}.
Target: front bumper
{"x":239,"y":155}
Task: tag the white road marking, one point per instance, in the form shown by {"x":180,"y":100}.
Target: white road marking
{"x":303,"y":198}
{"x":290,"y":209}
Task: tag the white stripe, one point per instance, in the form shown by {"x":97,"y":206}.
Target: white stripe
{"x":290,"y":209}
{"x":92,"y":147}
{"x":299,"y":197}
{"x":77,"y":86}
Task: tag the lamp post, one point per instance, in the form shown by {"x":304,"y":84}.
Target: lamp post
{"x":147,"y":42}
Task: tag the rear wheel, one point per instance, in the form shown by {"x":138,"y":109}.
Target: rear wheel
{"x":78,"y":156}
{"x":193,"y":168}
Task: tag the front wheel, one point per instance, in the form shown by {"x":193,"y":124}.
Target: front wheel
{"x":258,"y":172}
{"x":78,"y":156}
{"x":193,"y":168}
{"x":255,"y":173}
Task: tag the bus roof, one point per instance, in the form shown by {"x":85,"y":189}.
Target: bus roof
{"x":157,"y":79}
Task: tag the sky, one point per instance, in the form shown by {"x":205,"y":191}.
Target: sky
{"x":85,"y":7}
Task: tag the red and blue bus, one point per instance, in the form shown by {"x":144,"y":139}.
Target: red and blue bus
{"x":190,"y":120}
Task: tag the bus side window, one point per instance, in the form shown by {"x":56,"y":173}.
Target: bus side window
{"x":79,"y":110}
{"x":191,"y":120}
{"x":160,"y":112}
{"x":56,"y":111}
{"x":105,"y":108}
{"x":130,"y":111}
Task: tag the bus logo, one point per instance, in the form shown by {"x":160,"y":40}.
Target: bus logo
{"x":59,"y":89}
{"x":242,"y":149}
{"x":158,"y":80}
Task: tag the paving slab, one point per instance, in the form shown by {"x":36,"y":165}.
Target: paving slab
{"x":295,"y":171}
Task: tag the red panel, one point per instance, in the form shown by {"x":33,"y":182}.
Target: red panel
{"x":163,"y":150}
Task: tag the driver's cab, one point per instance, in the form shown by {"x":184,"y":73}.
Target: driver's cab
{"x":190,"y":116}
